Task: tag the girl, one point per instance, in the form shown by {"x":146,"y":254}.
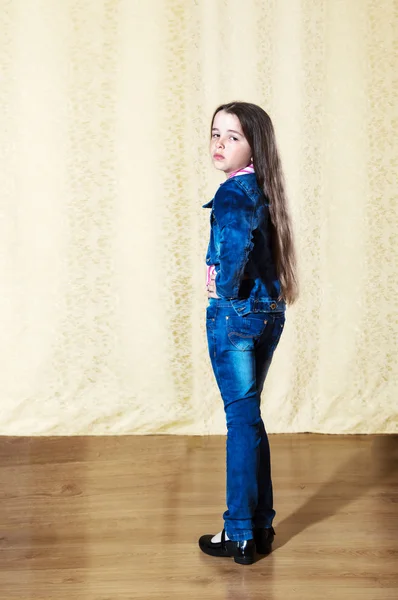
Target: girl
{"x":251,"y":277}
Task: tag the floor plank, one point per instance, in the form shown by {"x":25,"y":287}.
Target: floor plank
{"x":109,"y":518}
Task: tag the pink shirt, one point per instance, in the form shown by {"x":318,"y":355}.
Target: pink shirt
{"x":245,"y":171}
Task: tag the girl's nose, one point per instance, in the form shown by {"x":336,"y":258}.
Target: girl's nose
{"x":220,"y":144}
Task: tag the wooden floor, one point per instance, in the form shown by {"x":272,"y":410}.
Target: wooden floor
{"x":119,"y":518}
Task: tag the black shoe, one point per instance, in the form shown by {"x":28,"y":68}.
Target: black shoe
{"x":264,"y":538}
{"x":243,"y":551}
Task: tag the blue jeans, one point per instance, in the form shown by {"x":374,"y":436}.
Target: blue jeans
{"x":241,"y":350}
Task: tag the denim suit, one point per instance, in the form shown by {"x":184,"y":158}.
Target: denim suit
{"x":243,"y":327}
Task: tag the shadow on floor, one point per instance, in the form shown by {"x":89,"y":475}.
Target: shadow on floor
{"x":376,"y":464}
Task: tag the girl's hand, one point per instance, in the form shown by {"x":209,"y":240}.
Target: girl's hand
{"x":212,"y":288}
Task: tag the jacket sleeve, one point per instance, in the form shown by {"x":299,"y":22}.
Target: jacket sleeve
{"x":235,"y":213}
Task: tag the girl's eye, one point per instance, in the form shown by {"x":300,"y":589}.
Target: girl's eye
{"x":234,"y":138}
{"x":216,"y":135}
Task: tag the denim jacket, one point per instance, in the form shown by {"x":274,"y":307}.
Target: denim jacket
{"x":240,"y":247}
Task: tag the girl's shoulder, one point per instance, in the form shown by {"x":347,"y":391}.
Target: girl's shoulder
{"x":244,"y":187}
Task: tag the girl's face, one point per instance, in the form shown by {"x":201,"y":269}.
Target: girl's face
{"x":230,"y":150}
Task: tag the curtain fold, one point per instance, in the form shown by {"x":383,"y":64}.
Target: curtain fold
{"x":105,"y":108}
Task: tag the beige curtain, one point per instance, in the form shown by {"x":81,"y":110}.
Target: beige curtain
{"x":104,"y":115}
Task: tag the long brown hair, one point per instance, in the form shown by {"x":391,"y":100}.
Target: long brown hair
{"x":259,"y":132}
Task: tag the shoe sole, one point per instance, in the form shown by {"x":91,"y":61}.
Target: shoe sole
{"x":243,"y":561}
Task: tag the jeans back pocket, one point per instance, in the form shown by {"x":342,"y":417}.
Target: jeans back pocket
{"x":244,"y":331}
